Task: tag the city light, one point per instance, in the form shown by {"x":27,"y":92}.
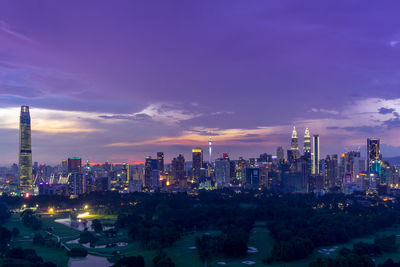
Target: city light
{"x":83,"y":215}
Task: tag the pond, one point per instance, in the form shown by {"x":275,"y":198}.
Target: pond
{"x":80,"y":225}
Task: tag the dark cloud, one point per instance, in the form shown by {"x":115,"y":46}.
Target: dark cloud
{"x":252,"y":135}
{"x":244,"y":140}
{"x":386,"y":110}
{"x":21,"y":91}
{"x":365,"y":129}
{"x":137,"y":117}
{"x":393,"y":123}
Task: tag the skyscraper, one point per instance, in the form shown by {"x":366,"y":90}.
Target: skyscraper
{"x":307,"y":141}
{"x":197,"y":162}
{"x":222,"y":172}
{"x":25,"y":151}
{"x":210,"y":151}
{"x":178,"y":170}
{"x":75,"y":164}
{"x":280,"y":154}
{"x":150,"y":172}
{"x":294,"y":146}
{"x":160,"y":161}
{"x":125,"y":173}
{"x":76,"y":180}
{"x":373,"y":153}
{"x":315,"y":155}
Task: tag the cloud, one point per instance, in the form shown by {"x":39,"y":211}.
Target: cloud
{"x":386,"y":110}
{"x":160,"y":112}
{"x":324,"y":111}
{"x":222,"y":113}
{"x":167,"y":113}
{"x":221,"y":136}
{"x":49,"y":121}
{"x":5,"y":28}
{"x":392,"y":123}
{"x":394,"y":43}
{"x":28,"y":81}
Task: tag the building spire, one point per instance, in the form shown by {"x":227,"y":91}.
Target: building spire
{"x":294,"y":133}
{"x":210,"y":150}
{"x":307,"y":133}
{"x":307,"y":141}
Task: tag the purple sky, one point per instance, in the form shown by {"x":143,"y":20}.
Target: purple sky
{"x":120,"y":80}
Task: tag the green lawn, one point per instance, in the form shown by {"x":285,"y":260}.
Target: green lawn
{"x":55,"y":255}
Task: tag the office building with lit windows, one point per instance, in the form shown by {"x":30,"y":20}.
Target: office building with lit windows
{"x":25,"y":151}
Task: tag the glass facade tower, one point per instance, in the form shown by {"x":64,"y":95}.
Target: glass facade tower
{"x":25,"y":151}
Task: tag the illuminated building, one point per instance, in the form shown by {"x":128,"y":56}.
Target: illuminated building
{"x":150,"y":172}
{"x":125,"y":173}
{"x":76,"y":184}
{"x":265,"y":158}
{"x":373,"y":154}
{"x":160,"y":161}
{"x":75,"y":164}
{"x":197,"y":162}
{"x":294,"y":145}
{"x":280,"y":154}
{"x":307,"y":141}
{"x":210,"y":151}
{"x":222,"y":172}
{"x":241,"y":170}
{"x":25,"y":151}
{"x":64,"y":166}
{"x":252,"y":177}
{"x":76,"y":180}
{"x":178,"y":171}
{"x":315,"y":155}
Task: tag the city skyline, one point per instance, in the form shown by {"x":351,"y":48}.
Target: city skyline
{"x":25,"y":130}
{"x":138,"y":78}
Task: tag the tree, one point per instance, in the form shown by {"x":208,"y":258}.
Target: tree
{"x":386,"y":243}
{"x":130,"y":262}
{"x":96,"y":226}
{"x":77,"y":253}
{"x":4,"y":213}
{"x":15,"y":232}
{"x":207,"y":246}
{"x":5,"y":238}
{"x":162,"y":260}
{"x":38,"y":239}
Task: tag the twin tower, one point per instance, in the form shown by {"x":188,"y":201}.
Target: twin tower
{"x":314,"y":153}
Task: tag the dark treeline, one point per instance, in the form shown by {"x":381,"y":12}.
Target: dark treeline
{"x":361,"y":254}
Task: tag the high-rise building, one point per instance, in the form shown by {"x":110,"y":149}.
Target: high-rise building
{"x":25,"y":151}
{"x":222,"y":172}
{"x":315,"y":155}
{"x":280,"y":154}
{"x":76,"y":180}
{"x":74,"y":164}
{"x":197,"y":162}
{"x":252,"y":177}
{"x":307,"y":141}
{"x":210,"y":151}
{"x":150,"y":172}
{"x":125,"y":173}
{"x":160,"y":161}
{"x":373,"y":154}
{"x":294,"y":145}
{"x":178,"y":170}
